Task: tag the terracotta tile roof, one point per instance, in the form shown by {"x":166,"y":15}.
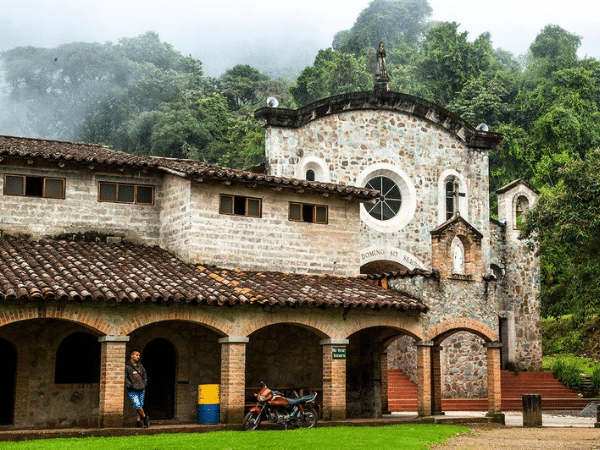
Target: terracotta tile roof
{"x":404,"y":274}
{"x":55,"y":270}
{"x":98,"y":154}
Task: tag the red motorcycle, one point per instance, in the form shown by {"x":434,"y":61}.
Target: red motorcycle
{"x":273,"y":406}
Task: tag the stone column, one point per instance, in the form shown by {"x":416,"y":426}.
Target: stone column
{"x":436,"y":380}
{"x":494,"y":380}
{"x":112,"y":380}
{"x":334,"y":379}
{"x":233,"y":378}
{"x":424,"y":377}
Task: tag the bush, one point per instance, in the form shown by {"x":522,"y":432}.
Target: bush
{"x":558,"y":367}
{"x":596,"y":378}
{"x":568,"y":374}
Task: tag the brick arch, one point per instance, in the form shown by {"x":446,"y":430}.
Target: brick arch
{"x":179,"y":343}
{"x":441,"y":331}
{"x":308,"y":323}
{"x":86,"y":318}
{"x":219,"y":325}
{"x":407,"y":327}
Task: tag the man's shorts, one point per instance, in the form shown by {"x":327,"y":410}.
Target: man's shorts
{"x":137,"y":398}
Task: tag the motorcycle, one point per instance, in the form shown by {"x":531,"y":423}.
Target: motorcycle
{"x":273,"y":406}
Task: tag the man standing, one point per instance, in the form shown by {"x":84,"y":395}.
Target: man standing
{"x":135,"y":383}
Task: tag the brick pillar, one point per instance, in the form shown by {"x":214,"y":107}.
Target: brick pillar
{"x":494,"y":381}
{"x":334,"y":379}
{"x":112,"y":380}
{"x":384,"y":383}
{"x":233,"y":378}
{"x":436,"y":380}
{"x":424,"y":377}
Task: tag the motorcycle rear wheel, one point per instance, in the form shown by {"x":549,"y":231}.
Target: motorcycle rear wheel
{"x":251,"y":421}
{"x":308,"y":419}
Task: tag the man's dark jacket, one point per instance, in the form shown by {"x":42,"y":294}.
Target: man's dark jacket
{"x":135,"y":377}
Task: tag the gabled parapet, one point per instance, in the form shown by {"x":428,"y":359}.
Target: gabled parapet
{"x":389,"y":101}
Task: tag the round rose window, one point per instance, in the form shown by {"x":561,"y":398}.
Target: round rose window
{"x":389,"y":200}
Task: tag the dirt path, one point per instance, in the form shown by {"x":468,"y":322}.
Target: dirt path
{"x":496,"y":437}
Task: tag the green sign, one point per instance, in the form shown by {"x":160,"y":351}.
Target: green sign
{"x":338,"y":352}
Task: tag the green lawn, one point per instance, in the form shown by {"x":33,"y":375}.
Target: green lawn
{"x":405,"y":436}
{"x":584,"y":365}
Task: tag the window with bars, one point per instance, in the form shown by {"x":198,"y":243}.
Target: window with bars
{"x":238,"y":205}
{"x":125,"y":193}
{"x":31,"y":186}
{"x":302,"y":212}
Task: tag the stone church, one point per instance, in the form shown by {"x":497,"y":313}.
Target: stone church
{"x":365,"y":244}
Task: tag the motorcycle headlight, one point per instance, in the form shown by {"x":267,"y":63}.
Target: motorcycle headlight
{"x":261,"y":398}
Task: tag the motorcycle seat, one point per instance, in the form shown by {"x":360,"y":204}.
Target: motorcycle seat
{"x":298,"y":400}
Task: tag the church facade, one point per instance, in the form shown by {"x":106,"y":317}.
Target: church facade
{"x":370,"y":227}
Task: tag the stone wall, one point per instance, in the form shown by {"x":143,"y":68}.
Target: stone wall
{"x":272,"y":242}
{"x":198,"y":361}
{"x":284,"y":356}
{"x":520,"y":279}
{"x":464,"y":366}
{"x":175,"y":215}
{"x":40,"y":402}
{"x":416,"y":153}
{"x":80,"y":211}
{"x":450,"y":299}
{"x":463,"y":360}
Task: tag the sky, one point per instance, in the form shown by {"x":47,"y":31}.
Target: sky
{"x":273,"y":35}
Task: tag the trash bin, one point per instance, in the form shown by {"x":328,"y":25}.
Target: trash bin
{"x":208,"y":404}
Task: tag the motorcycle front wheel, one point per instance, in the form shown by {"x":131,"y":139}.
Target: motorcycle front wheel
{"x":308,"y":419}
{"x":251,"y":421}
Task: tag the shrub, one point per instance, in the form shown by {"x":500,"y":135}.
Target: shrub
{"x":568,"y":374}
{"x":571,"y":376}
{"x":596,"y":378}
{"x":558,"y":368}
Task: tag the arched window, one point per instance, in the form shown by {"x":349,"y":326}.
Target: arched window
{"x":450,"y":197}
{"x":521,"y":208}
{"x":78,"y":359}
{"x":310,"y":175}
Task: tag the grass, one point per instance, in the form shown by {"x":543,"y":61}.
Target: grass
{"x":404,"y":436}
{"x":585,"y":365}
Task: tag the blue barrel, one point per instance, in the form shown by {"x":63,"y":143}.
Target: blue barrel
{"x":208,"y":414}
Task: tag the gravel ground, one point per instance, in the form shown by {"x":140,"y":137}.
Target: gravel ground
{"x":492,"y":437}
{"x":562,"y":430}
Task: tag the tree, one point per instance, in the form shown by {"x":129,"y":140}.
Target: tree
{"x":385,"y":20}
{"x":246,"y":87}
{"x":566,"y":223}
{"x":76,"y":90}
{"x":148,"y":48}
{"x":55,"y":86}
{"x":556,"y":47}
{"x":332,"y":73}
{"x":191,"y":126}
{"x":448,"y":61}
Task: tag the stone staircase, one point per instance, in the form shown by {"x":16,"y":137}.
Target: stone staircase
{"x":555,"y":395}
{"x":402,"y":393}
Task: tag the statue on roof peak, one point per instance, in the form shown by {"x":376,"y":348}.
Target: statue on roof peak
{"x":380,"y":67}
